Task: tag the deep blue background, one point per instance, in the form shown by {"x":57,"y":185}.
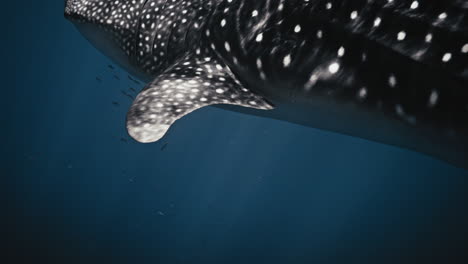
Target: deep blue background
{"x":227,"y":187}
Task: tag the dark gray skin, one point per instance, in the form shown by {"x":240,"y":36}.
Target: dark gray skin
{"x":388,"y":71}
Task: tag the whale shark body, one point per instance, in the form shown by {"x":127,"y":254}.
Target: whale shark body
{"x":391,"y":71}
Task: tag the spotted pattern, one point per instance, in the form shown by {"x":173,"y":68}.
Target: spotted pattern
{"x":120,"y":18}
{"x":167,"y":29}
{"x":407,"y":59}
{"x":195,"y":82}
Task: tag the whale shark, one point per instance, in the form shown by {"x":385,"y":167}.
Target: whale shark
{"x":390,"y":71}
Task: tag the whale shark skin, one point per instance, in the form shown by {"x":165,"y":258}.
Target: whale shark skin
{"x":391,"y":71}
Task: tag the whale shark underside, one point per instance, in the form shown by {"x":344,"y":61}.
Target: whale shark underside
{"x":391,"y":71}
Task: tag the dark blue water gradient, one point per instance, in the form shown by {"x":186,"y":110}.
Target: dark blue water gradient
{"x":222,"y":187}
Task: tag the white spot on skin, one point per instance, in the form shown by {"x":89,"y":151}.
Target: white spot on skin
{"x":447,"y":57}
{"x":433,"y":99}
{"x":334,"y":67}
{"x":319,"y":34}
{"x":312,"y":81}
{"x":414,"y":5}
{"x":465,"y":48}
{"x":259,"y":63}
{"x":297,"y":29}
{"x":377,"y":21}
{"x":443,"y":16}
{"x":223,"y":23}
{"x":287,"y":60}
{"x":341,"y":52}
{"x":259,"y":37}
{"x":428,"y":38}
{"x":392,"y":81}
{"x":254,"y":13}
{"x":354,"y":15}
{"x":362,"y":94}
{"x":401,"y":35}
{"x":227,"y":46}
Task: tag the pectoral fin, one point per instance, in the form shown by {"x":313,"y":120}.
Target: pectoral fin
{"x":187,"y":86}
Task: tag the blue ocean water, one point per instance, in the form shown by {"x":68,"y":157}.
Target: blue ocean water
{"x":222,"y":187}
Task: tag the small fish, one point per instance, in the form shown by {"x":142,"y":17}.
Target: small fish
{"x":132,"y":89}
{"x":130,"y":78}
{"x":115,"y":103}
{"x":116,"y":77}
{"x":124,"y":140}
{"x":164,"y":146}
{"x":127,"y":95}
{"x":111,"y":67}
{"x":98,"y":79}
